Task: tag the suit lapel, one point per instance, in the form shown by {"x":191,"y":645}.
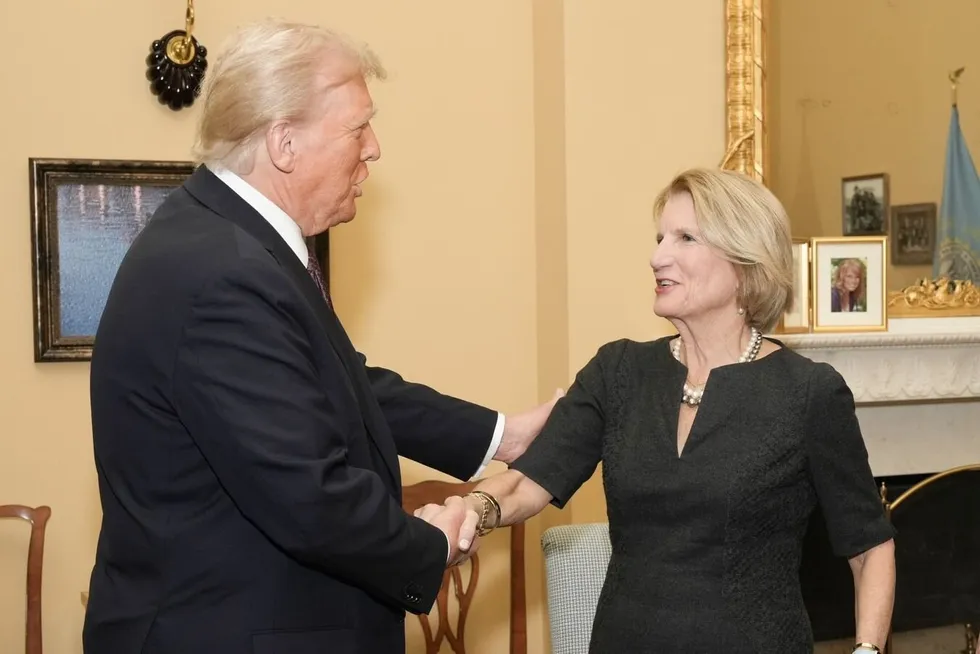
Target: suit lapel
{"x":216,"y":195}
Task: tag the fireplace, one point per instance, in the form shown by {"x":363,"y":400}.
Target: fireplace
{"x":917,"y":391}
{"x":937,"y":558}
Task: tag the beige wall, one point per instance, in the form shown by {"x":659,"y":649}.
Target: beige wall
{"x":507,"y":225}
{"x":860,"y":88}
{"x":645,"y":99}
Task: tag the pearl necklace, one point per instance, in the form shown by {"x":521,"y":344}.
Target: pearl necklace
{"x":692,"y":394}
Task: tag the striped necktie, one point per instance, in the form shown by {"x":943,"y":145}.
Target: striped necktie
{"x":316,"y":272}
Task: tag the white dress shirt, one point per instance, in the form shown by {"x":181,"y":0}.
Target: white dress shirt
{"x":290,"y":232}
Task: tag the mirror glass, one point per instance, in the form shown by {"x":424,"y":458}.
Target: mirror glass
{"x":859,"y":110}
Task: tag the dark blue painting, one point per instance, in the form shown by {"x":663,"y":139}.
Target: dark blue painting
{"x":96,"y":225}
{"x":86,"y":214}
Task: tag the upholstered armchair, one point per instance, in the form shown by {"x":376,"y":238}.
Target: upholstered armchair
{"x":576,"y":558}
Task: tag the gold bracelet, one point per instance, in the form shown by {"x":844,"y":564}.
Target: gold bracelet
{"x":484,"y":509}
{"x":481,"y":526}
{"x":492,"y":517}
{"x":871,"y":646}
{"x":498,"y":515}
{"x":490,"y":505}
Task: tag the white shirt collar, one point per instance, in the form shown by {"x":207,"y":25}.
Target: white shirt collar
{"x":285,"y":226}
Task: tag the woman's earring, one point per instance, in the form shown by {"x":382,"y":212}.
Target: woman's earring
{"x":741,"y":311}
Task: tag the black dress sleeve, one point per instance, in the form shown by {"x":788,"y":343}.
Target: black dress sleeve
{"x":569,"y":447}
{"x":839,"y":468}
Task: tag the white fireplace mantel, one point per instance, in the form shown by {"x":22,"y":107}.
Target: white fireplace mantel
{"x":903,"y":381}
{"x":899,"y":367}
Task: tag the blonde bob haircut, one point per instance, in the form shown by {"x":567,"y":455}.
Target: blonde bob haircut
{"x":269,"y":71}
{"x":747,"y":225}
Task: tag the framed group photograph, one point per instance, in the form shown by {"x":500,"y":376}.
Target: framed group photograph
{"x":849,"y":284}
{"x":796,"y":319}
{"x":84,"y":216}
{"x":865,"y":205}
{"x":913,"y":234}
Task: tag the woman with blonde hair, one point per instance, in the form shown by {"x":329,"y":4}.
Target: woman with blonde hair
{"x":717,"y":445}
{"x":847,"y":291}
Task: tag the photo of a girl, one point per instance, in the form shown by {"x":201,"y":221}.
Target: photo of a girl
{"x":848,"y":285}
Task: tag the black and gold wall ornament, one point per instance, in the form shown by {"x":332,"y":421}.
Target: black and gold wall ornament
{"x":176,"y":65}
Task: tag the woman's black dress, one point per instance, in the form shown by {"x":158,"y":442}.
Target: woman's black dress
{"x":706,"y":545}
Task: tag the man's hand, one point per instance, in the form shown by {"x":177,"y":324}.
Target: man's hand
{"x":522,"y":428}
{"x":458,"y":521}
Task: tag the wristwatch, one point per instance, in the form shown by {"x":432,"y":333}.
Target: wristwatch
{"x":866,"y":648}
{"x":489,"y":515}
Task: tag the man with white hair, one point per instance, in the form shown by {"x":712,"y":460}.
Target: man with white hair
{"x":246,"y":454}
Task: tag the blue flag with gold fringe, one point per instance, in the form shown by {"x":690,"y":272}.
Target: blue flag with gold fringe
{"x":958,"y":230}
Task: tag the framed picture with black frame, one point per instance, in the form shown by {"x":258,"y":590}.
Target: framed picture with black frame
{"x":913,"y":234}
{"x":865,"y":205}
{"x":85,"y":213}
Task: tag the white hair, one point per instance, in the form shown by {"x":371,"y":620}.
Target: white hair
{"x":267,"y":72}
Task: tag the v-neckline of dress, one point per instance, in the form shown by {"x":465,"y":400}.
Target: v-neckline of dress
{"x":675,"y":385}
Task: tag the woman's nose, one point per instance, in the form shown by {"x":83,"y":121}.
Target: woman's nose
{"x":659,"y":257}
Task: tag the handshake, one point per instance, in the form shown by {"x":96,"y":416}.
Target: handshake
{"x":462,"y":520}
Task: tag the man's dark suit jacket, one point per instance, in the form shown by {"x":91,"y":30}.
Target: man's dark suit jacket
{"x":247,"y":456}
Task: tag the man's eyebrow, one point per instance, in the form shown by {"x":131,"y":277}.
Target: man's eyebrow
{"x":364,"y":121}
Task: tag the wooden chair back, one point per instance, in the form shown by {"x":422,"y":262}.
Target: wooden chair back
{"x":38,"y":517}
{"x":436,"y":492}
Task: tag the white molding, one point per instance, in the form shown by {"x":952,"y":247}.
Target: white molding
{"x":901,"y":365}
{"x":902,"y":381}
{"x":877,"y":340}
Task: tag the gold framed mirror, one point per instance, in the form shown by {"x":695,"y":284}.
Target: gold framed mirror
{"x":844,"y":129}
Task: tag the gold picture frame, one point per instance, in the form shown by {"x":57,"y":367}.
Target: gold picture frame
{"x":849,"y":283}
{"x":746,"y":111}
{"x":798,"y":319}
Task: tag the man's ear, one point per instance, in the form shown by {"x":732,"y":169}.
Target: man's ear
{"x":280,"y":143}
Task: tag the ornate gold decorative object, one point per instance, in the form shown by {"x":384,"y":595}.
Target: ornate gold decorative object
{"x":176,"y":65}
{"x":936,"y":297}
{"x":745,"y":87}
{"x":954,"y":80}
{"x":734,"y":149}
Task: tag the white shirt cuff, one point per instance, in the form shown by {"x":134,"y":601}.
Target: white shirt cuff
{"x":449,"y":549}
{"x":498,"y":434}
